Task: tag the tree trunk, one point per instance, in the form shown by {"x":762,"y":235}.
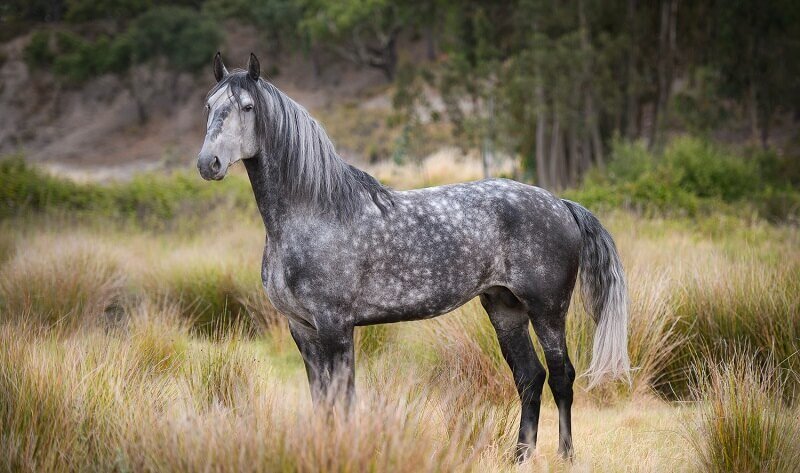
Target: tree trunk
{"x":575,"y":159}
{"x":138,"y":100}
{"x":666,"y":46}
{"x":764,"y":116}
{"x":631,"y":100}
{"x":541,"y":145}
{"x":487,"y":153}
{"x":430,"y":43}
{"x":563,"y":163}
{"x":590,"y":116}
{"x":753,"y":109}
{"x":390,"y":58}
{"x":555,"y":154}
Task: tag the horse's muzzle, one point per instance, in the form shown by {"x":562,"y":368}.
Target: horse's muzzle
{"x":210,"y":167}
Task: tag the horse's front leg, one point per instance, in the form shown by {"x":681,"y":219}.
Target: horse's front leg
{"x":329,"y":358}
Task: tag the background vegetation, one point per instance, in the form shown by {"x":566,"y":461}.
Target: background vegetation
{"x":122,"y":327}
{"x":135,"y":334}
{"x":550,"y":83}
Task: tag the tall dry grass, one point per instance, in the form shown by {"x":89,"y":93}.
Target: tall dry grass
{"x":745,"y":425}
{"x":63,"y":281}
{"x":103,"y":366}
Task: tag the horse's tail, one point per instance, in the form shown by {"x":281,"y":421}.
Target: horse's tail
{"x":605,"y":297}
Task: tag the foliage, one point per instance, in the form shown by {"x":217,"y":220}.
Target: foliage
{"x":37,"y":53}
{"x":183,"y":37}
{"x":692,"y":175}
{"x":87,"y":10}
{"x":147,"y":199}
{"x":751,"y":41}
{"x":277,"y":19}
{"x":362,"y":31}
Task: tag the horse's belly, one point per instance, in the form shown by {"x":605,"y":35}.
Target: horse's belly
{"x":398,"y":302}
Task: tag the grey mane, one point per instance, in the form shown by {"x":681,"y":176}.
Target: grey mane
{"x":308,"y":167}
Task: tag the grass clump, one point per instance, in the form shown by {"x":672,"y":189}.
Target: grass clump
{"x":159,"y":336}
{"x":738,"y":302}
{"x":462,"y":348}
{"x":62,"y":283}
{"x":744,"y":426}
{"x":210,"y":294}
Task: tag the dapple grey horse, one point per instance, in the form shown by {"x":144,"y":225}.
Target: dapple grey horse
{"x":343,"y":251}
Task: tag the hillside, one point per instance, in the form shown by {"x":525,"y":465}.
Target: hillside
{"x":94,"y":128}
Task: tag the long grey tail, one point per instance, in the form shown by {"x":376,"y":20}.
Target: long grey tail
{"x":605,"y":297}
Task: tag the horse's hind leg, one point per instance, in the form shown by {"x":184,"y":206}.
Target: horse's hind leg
{"x":510,"y":321}
{"x":549,"y":323}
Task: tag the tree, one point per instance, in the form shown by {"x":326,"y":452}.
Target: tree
{"x":754,"y":48}
{"x":475,"y":50}
{"x":364,"y":32}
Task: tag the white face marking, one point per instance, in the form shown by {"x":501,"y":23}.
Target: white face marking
{"x":230,"y":128}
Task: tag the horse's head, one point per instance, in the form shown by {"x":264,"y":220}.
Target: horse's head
{"x":231,"y":133}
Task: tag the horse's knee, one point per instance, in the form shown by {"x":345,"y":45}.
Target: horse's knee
{"x":562,"y":377}
{"x":529,"y":386}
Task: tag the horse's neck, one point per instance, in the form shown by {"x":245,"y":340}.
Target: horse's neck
{"x":270,"y":199}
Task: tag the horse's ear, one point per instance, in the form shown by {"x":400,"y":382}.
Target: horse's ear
{"x":219,"y":68}
{"x":253,"y":68}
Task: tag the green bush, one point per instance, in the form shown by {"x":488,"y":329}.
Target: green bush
{"x":693,"y":176}
{"x":152,"y":200}
{"x":183,"y":36}
{"x":88,"y":10}
{"x":703,"y":170}
{"x":37,"y":53}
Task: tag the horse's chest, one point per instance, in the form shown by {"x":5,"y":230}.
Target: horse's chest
{"x":279,"y":289}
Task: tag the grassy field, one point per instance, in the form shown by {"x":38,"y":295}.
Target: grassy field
{"x":136,"y":345}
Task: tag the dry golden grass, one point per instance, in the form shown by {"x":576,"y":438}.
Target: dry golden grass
{"x":102,"y":368}
{"x":445,"y":166}
{"x":745,"y":424}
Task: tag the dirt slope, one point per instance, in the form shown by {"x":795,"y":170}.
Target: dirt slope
{"x":95,"y":128}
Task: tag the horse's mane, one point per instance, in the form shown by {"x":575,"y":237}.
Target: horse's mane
{"x":309,"y":169}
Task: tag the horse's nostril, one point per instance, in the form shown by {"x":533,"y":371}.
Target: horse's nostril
{"x":215,"y":164}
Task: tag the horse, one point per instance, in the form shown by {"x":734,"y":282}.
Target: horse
{"x":342,"y":250}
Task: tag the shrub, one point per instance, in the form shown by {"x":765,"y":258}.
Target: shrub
{"x":183,"y":36}
{"x":152,"y":200}
{"x":692,"y":177}
{"x":705,"y":171}
{"x":37,"y":53}
{"x":744,"y":425}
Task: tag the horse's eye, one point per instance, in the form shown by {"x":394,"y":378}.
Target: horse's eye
{"x":248,"y":108}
